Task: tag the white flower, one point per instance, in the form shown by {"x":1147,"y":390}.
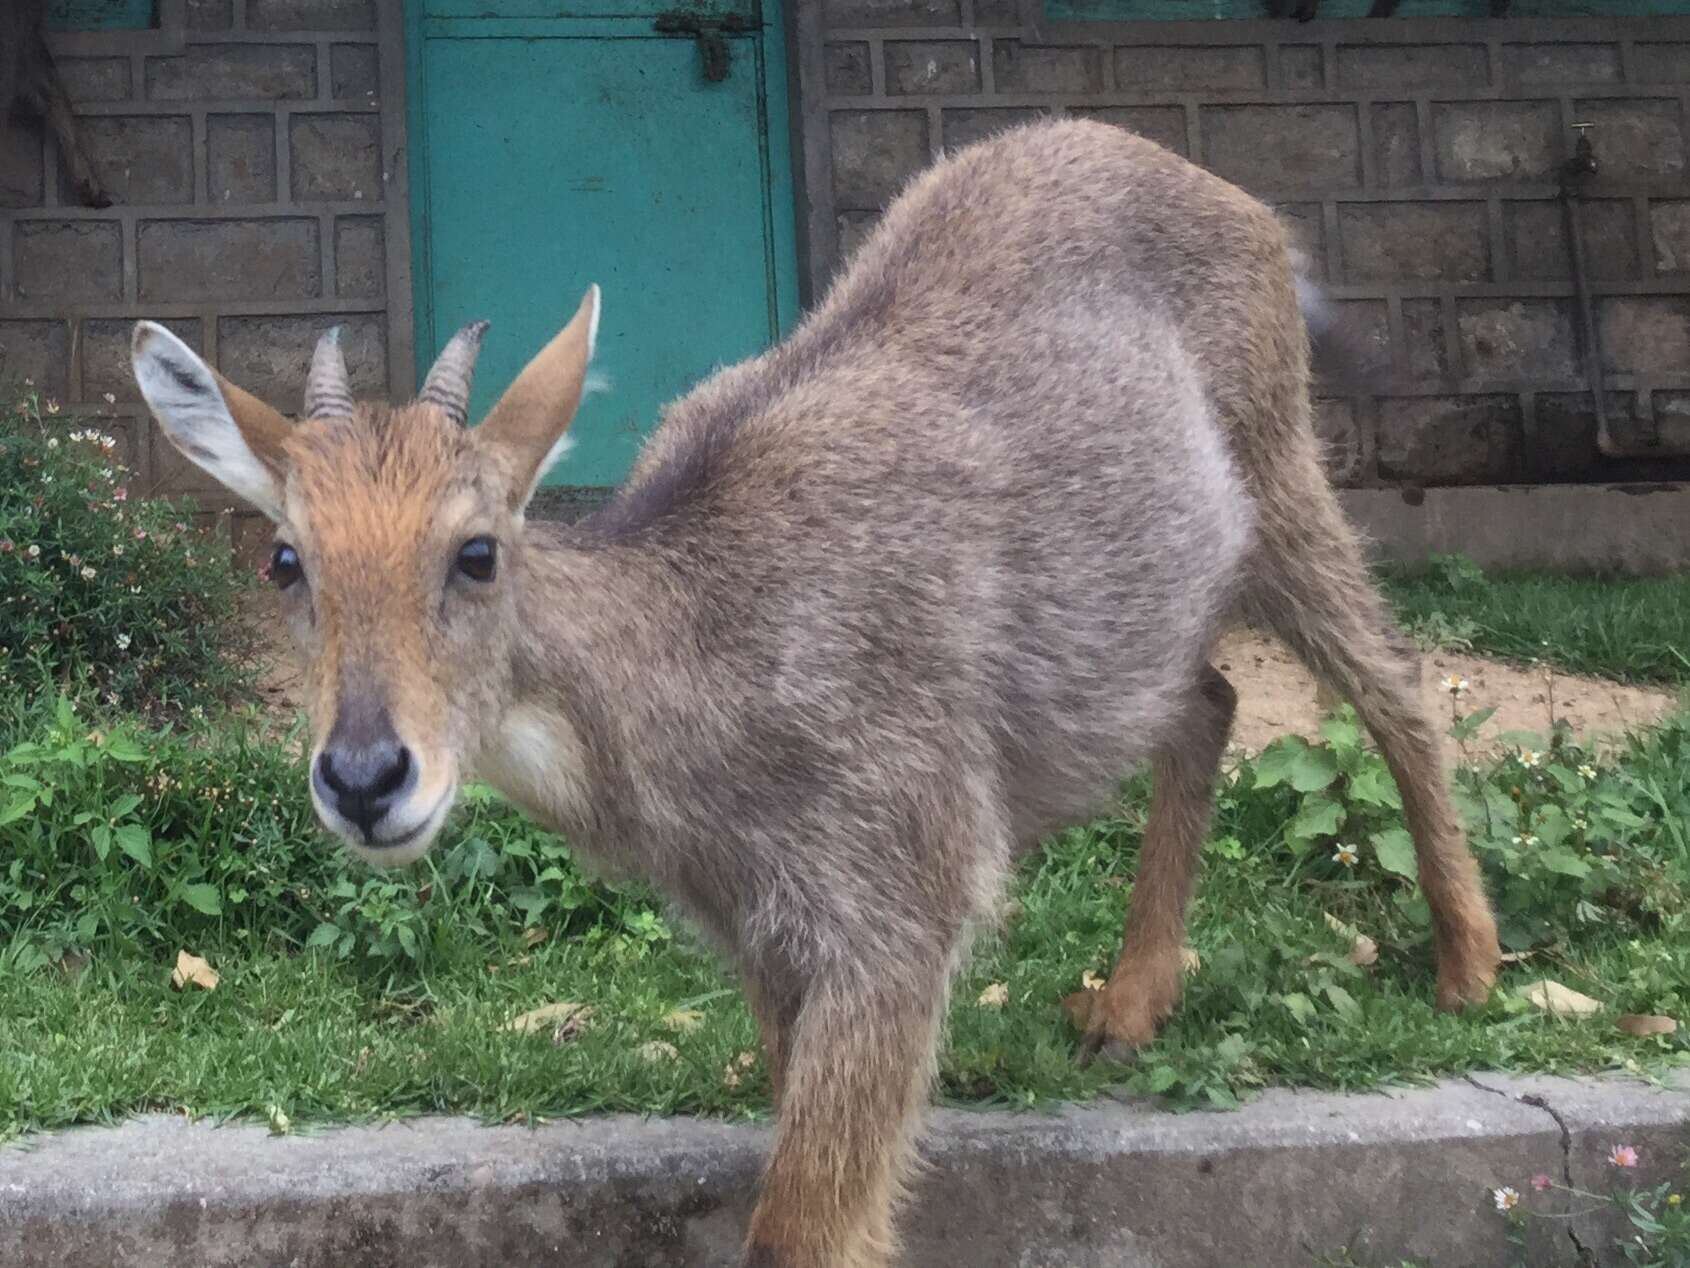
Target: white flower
{"x":109,"y":398}
{"x":123,"y":642}
{"x":34,"y":552}
{"x":1506,"y":1199}
{"x":1587,"y":771}
{"x":1526,"y":841}
{"x":88,"y":573}
{"x":1346,"y":854}
{"x":118,"y":551}
{"x":52,"y":442}
{"x":1455,"y":684}
{"x":1581,"y":823}
{"x":1530,"y":757}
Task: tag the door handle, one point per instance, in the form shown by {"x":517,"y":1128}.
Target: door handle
{"x":708,"y":29}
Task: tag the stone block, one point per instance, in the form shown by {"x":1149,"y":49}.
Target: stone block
{"x":234,"y":72}
{"x":1666,"y":62}
{"x":1226,"y":68}
{"x":854,"y":228}
{"x":39,"y":351}
{"x":268,"y":356}
{"x":105,"y":355}
{"x":1564,"y":439}
{"x":1517,"y":339}
{"x":874,"y":153}
{"x":1414,"y":242}
{"x":846,"y":70}
{"x":964,"y":127}
{"x":1450,"y":439}
{"x":311,"y":15}
{"x":1557,"y":66}
{"x":21,"y":167}
{"x":1164,"y":125}
{"x":209,"y":15}
{"x":1366,"y":327}
{"x":228,"y":259}
{"x":65,"y":260}
{"x":1396,"y":143}
{"x":1340,"y":438}
{"x":997,"y":13}
{"x":1301,"y":68}
{"x":360,"y":257}
{"x":1036,"y":68}
{"x":144,"y":159}
{"x":1496,"y":140}
{"x":1669,"y":232}
{"x":920,"y":67}
{"x":1425,"y":349}
{"x":94,"y":78}
{"x":1645,"y":334}
{"x":240,"y":158}
{"x":1307,"y":227}
{"x":335,"y":156}
{"x":1672,"y":418}
{"x":354,"y":72}
{"x":1394,"y":66}
{"x":1283,"y":147}
{"x":1635,"y":140}
{"x":869,"y":13}
{"x":1537,"y":239}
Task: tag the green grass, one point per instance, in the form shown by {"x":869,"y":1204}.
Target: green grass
{"x":399,"y":1026}
{"x":1633,"y":629}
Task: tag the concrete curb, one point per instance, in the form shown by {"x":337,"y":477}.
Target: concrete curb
{"x":1289,"y":1179}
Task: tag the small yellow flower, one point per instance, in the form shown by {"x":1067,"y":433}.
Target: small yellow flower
{"x":1673,"y":1199}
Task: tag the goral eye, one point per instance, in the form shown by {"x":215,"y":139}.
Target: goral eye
{"x":285,"y":568}
{"x":478,"y":558}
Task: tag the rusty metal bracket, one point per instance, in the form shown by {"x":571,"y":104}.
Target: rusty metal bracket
{"x":715,"y":57}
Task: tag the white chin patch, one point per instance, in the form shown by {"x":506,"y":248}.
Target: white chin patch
{"x":410,"y":831}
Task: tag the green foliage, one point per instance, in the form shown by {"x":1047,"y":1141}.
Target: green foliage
{"x":1634,"y":629}
{"x":101,"y":588}
{"x":119,"y":839}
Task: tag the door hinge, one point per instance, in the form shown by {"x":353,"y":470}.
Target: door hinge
{"x":708,"y":29}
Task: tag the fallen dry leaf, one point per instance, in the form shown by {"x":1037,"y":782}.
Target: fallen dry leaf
{"x":994,"y":996}
{"x":280,"y":1124}
{"x":566,"y":1020}
{"x":683,"y":1021}
{"x":1561,"y":1001}
{"x":1642,"y":1025}
{"x":1092,"y":982}
{"x":534,"y":937}
{"x":733,"y":1071}
{"x":1190,"y":959}
{"x":1517,"y":957}
{"x":730,"y":1076}
{"x":659,"y":1050}
{"x":191,"y":970}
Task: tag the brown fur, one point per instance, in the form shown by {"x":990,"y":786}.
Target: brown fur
{"x":876,"y":611}
{"x":29,"y":79}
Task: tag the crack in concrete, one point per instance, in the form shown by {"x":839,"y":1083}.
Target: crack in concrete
{"x":1585,"y":1257}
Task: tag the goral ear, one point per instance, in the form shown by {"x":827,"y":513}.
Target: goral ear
{"x":529,"y":424}
{"x":230,"y":434}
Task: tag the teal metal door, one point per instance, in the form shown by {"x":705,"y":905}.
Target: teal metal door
{"x":555,"y":144}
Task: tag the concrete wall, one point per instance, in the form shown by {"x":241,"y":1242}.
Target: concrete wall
{"x":1415,"y":160}
{"x":254,"y":153}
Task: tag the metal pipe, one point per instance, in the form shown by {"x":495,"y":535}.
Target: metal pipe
{"x":1574,"y":173}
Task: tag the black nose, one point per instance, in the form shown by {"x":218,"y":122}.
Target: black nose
{"x":362,"y":781}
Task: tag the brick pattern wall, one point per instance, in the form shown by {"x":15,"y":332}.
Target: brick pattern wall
{"x":253,"y":150}
{"x":1415,"y":161}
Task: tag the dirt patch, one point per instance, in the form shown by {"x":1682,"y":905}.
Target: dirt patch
{"x":1277,"y":696}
